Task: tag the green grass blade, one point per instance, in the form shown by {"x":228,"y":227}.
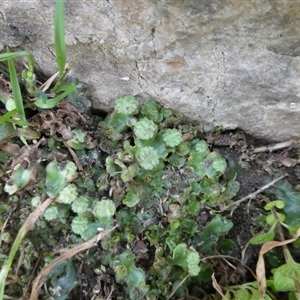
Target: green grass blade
{"x":8,"y":118}
{"x":4,"y":72}
{"x":59,"y":36}
{"x":32,"y":218}
{"x":68,"y":89}
{"x":8,"y":55}
{"x":63,"y":75}
{"x":16,"y":91}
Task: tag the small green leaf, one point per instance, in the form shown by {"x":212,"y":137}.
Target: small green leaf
{"x":202,"y":148}
{"x":51,"y":103}
{"x":104,"y":209}
{"x":111,"y":167}
{"x":285,"y":276}
{"x":166,"y":112}
{"x":58,"y":175}
{"x":193,"y":207}
{"x":210,"y":234}
{"x":172,"y":137}
{"x":219,"y":164}
{"x":270,"y":219}
{"x":232,"y":188}
{"x":68,"y":194}
{"x":189,"y":227}
{"x":193,"y":261}
{"x":79,"y":225}
{"x":262,"y":238}
{"x":126,"y":105}
{"x":7,"y":130}
{"x":171,"y":242}
{"x":121,"y":273}
{"x":65,"y":282}
{"x":293,"y":229}
{"x":134,"y":277}
{"x":36,"y":201}
{"x":179,"y":257}
{"x":79,"y":140}
{"x":255,"y":294}
{"x":151,"y":110}
{"x":91,"y":231}
{"x":213,"y":165}
{"x":183,"y":149}
{"x":227,"y":295}
{"x":145,"y":129}
{"x":131,"y":199}
{"x":19,"y":179}
{"x":114,"y":124}
{"x":51,"y":213}
{"x":80,"y":205}
{"x":276,"y":203}
{"x":176,"y":160}
{"x":157,"y":143}
{"x":147,"y":158}
{"x":175,"y":224}
{"x":42,"y":95}
{"x":196,"y":159}
{"x":291,"y":198}
{"x":242,"y":294}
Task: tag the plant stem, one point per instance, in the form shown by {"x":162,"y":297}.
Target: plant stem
{"x":32,"y":218}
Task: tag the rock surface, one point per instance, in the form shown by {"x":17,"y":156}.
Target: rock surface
{"x":220,"y":62}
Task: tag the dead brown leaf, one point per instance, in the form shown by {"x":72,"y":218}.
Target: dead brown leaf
{"x":260,"y":267}
{"x":217,"y":287}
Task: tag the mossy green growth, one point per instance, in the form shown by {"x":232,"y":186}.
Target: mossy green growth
{"x":126,"y":105}
{"x":63,"y":279}
{"x":127,"y":272}
{"x":104,"y":209}
{"x":164,"y":165}
{"x":153,"y":111}
{"x":172,"y":137}
{"x":19,"y":179}
{"x":146,"y":142}
{"x":80,"y":205}
{"x":80,"y":224}
{"x":51,"y":213}
{"x":68,"y":194}
{"x":145,"y":129}
{"x":58,"y":175}
{"x":80,"y":140}
{"x":208,"y":238}
{"x":153,"y":178}
{"x":147,"y":158}
{"x":188,"y":259}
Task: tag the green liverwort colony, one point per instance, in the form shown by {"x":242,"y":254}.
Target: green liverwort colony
{"x":147,"y":172}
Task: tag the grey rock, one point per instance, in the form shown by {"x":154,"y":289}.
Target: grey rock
{"x":228,"y":63}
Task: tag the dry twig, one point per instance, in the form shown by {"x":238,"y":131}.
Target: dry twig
{"x":179,"y":285}
{"x":273,"y":147}
{"x":254,"y":194}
